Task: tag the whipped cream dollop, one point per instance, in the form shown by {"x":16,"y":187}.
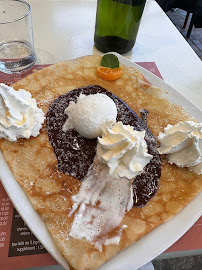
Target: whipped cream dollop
{"x":19,"y":115}
{"x":183,"y":145}
{"x":90,"y":114}
{"x":124,"y":150}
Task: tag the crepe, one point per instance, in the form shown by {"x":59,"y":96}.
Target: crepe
{"x":34,"y":164}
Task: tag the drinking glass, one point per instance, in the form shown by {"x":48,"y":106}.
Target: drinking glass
{"x":16,"y":37}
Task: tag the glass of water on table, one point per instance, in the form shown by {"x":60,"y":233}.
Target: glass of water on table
{"x":16,"y":37}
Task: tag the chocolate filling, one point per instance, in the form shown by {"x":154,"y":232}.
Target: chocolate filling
{"x":75,"y":153}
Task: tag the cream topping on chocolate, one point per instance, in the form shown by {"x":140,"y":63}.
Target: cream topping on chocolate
{"x":90,"y":115}
{"x":75,"y":153}
{"x":124,"y":150}
{"x":100,"y":205}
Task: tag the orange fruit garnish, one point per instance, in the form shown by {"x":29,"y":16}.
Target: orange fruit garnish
{"x":109,"y":74}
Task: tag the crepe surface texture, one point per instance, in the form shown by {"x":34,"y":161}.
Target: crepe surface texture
{"x":34,"y":164}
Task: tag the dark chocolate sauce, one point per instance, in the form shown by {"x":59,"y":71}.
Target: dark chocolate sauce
{"x":75,"y":153}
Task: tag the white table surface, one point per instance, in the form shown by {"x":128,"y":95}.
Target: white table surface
{"x":64,"y":29}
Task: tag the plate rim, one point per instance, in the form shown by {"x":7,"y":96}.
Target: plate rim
{"x":126,"y":257}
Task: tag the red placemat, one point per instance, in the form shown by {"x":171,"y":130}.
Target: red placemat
{"x":19,"y":248}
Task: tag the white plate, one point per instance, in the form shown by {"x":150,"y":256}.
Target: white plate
{"x":149,"y":246}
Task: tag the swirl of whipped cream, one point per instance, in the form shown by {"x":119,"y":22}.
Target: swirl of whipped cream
{"x":183,"y":145}
{"x":19,"y":115}
{"x":124,"y":150}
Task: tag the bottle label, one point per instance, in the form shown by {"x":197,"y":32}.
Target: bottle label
{"x":130,"y":2}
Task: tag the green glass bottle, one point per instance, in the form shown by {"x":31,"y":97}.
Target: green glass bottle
{"x":117,"y":23}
